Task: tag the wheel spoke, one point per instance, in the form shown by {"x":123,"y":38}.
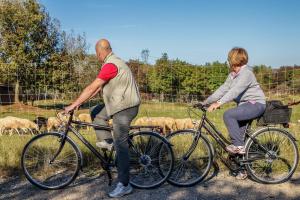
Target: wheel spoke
{"x":37,"y":166}
{"x":152,"y":160}
{"x":278,"y":163}
{"x":196,"y":167}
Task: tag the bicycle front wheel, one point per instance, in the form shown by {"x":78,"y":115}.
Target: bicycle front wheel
{"x":193,"y":158}
{"x":38,"y":166}
{"x":272,"y":154}
{"x":151,"y":159}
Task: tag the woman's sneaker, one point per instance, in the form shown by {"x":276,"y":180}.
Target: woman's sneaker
{"x":120,"y":190}
{"x":241,"y":150}
{"x":235,"y":149}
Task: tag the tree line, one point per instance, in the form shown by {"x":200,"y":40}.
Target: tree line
{"x":179,"y":79}
{"x":36,"y":56}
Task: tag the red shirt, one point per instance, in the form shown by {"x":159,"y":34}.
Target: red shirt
{"x":108,"y":71}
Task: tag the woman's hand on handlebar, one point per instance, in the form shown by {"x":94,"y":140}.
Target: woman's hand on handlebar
{"x":213,"y":106}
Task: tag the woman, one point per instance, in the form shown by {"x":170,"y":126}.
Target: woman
{"x":242,"y":87}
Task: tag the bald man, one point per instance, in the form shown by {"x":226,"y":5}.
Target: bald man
{"x":121,"y":103}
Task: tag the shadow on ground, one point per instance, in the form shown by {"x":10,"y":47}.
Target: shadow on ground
{"x":219,"y":187}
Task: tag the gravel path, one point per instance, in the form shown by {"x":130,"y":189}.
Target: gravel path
{"x":219,"y":187}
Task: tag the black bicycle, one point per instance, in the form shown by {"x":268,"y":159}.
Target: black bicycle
{"x":53,"y":160}
{"x":271,"y":153}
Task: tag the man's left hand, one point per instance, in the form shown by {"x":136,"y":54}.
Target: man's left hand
{"x":213,"y":106}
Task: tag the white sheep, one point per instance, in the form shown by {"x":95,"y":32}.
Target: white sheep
{"x":185,"y":123}
{"x":55,"y":123}
{"x":83,"y":117}
{"x":8,"y":124}
{"x":167,"y":123}
{"x":14,"y":123}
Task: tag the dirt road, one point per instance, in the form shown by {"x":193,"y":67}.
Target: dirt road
{"x":219,"y":187}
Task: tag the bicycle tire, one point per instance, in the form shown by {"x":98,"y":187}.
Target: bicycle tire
{"x":159,"y":159}
{"x":187,"y":137}
{"x":34,"y":144}
{"x":265,"y":159}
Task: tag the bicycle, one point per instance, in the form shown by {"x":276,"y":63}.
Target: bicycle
{"x":265,"y":159}
{"x":52,"y":160}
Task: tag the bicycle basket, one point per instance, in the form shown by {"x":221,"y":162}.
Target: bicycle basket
{"x":275,"y":113}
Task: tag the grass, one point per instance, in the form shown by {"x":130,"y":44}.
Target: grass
{"x":11,"y":146}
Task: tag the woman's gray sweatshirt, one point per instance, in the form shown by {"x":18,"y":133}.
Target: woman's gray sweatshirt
{"x":241,"y":88}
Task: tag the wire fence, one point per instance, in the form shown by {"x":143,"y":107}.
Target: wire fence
{"x":47,"y":89}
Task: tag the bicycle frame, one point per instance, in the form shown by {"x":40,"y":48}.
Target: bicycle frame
{"x":206,"y":124}
{"x":104,"y":159}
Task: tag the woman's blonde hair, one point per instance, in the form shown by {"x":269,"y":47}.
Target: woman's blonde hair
{"x":237,"y":57}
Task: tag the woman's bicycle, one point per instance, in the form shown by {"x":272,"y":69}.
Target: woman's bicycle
{"x":53,"y":160}
{"x":271,"y":153}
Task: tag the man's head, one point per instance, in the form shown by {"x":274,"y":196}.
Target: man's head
{"x":103,"y":48}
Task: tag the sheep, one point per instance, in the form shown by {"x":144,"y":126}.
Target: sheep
{"x":185,"y":123}
{"x":167,"y":123}
{"x":170,"y":124}
{"x":85,"y":118}
{"x":8,"y":124}
{"x":53,"y":123}
{"x":14,"y":123}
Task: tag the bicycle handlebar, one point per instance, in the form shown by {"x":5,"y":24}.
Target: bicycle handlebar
{"x":68,"y":120}
{"x":200,"y":106}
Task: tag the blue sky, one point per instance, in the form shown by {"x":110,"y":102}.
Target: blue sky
{"x":196,"y":31}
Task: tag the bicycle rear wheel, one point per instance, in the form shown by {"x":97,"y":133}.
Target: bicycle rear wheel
{"x":192,"y":160}
{"x":151,"y":159}
{"x":38,"y":169}
{"x":273,"y":156}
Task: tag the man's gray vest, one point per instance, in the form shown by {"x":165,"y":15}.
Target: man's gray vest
{"x":121,"y":92}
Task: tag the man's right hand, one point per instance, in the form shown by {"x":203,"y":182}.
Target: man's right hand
{"x":70,"y":108}
{"x":213,"y":107}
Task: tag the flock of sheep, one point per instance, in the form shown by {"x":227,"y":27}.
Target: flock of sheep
{"x":168,"y":124}
{"x":11,"y":125}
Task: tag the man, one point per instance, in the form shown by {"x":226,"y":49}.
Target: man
{"x":121,"y":98}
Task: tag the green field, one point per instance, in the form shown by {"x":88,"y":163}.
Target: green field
{"x":11,"y":146}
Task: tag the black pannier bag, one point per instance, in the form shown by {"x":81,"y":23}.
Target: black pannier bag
{"x":275,"y":113}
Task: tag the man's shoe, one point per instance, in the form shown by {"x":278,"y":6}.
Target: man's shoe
{"x":104,"y":145}
{"x":120,"y":190}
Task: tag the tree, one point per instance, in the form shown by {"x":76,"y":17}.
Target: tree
{"x":264,"y":76}
{"x":145,"y":55}
{"x":35,"y":51}
{"x":28,"y":35}
{"x":162,"y":77}
{"x":140,"y":71}
{"x":215,"y":75}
